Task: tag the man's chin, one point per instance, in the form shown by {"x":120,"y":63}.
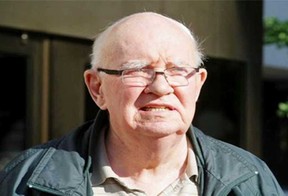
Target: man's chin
{"x":161,"y":130}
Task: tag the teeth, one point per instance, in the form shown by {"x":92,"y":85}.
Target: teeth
{"x":156,"y":109}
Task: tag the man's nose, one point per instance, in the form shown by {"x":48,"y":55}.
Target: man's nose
{"x":159,"y":85}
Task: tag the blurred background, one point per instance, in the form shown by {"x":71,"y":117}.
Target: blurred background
{"x":45,"y":47}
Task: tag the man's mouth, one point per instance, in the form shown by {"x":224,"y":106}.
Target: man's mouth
{"x":156,"y":109}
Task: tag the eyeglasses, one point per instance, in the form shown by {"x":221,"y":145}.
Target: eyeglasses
{"x":175,"y":76}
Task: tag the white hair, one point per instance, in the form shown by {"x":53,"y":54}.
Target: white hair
{"x":97,"y":55}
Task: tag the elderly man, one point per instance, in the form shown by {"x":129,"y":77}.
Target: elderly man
{"x":146,"y":77}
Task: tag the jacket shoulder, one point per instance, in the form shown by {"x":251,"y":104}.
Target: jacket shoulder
{"x":233,"y":166}
{"x":18,"y":171}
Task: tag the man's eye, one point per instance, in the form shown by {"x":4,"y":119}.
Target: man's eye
{"x":131,"y":72}
{"x":178,"y":71}
{"x":137,"y":73}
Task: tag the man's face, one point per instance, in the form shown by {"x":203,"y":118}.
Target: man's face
{"x":157,"y":109}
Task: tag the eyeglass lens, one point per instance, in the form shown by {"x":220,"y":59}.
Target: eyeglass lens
{"x":143,"y":77}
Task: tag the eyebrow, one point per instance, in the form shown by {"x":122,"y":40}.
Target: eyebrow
{"x":180,"y":63}
{"x":138,"y":64}
{"x":135,"y":64}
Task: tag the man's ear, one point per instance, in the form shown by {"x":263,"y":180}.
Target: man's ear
{"x":201,"y":78}
{"x":203,"y":75}
{"x":93,"y":83}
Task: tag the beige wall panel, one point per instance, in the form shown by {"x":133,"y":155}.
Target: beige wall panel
{"x":67,"y":86}
{"x":215,"y":22}
{"x":73,"y":18}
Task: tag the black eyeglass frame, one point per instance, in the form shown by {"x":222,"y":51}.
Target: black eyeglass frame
{"x":119,"y":72}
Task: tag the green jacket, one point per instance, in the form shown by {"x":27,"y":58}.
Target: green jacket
{"x":64,"y":167}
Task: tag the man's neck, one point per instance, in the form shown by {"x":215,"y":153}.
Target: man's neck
{"x":141,"y":163}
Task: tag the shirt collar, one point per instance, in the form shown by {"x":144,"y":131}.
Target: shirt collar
{"x":102,"y":168}
{"x":192,"y":168}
